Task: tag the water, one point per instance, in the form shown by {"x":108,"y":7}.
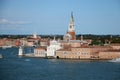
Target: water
{"x":14,"y":68}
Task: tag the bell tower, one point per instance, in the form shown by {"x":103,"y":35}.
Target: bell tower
{"x":71,"y":28}
{"x":70,"y":35}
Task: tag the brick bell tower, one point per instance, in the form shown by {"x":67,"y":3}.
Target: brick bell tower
{"x":71,"y":28}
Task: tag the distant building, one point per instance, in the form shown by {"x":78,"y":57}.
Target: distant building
{"x":2,"y":42}
{"x":44,"y":42}
{"x":33,"y":40}
{"x":17,"y":43}
{"x":74,"y":43}
{"x":40,"y":52}
{"x":35,"y":35}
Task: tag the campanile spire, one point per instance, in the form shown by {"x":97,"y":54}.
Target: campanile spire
{"x":71,"y":27}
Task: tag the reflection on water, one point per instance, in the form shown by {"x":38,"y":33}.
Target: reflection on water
{"x":27,"y":59}
{"x":13,"y":67}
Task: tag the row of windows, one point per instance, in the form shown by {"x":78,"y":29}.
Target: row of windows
{"x":39,"y":53}
{"x":85,"y":53}
{"x":51,"y":48}
{"x":80,"y":49}
{"x":77,"y":53}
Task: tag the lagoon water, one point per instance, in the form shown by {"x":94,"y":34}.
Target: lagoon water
{"x":13,"y":67}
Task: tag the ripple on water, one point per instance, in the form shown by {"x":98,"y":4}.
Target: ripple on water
{"x":27,"y":59}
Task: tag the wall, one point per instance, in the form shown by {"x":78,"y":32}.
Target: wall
{"x":109,"y":55}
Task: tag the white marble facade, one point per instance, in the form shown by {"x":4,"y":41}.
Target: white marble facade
{"x":54,"y":45}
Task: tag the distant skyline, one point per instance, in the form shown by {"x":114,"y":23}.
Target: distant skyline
{"x":49,"y":17}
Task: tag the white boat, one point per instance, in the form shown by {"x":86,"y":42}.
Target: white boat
{"x":4,"y":47}
{"x":115,"y":60}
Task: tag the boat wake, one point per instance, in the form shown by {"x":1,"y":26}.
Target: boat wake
{"x":115,"y":60}
{"x":27,"y":59}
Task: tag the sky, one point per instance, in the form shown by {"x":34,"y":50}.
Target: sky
{"x":50,"y":17}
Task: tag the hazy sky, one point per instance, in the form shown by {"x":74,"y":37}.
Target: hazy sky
{"x":53,"y":16}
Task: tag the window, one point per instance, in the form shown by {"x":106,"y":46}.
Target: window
{"x":64,"y":52}
{"x":78,"y":53}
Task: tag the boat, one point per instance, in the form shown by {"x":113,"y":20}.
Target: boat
{"x":115,"y":60}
